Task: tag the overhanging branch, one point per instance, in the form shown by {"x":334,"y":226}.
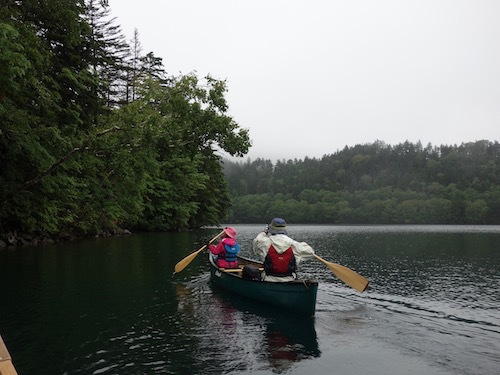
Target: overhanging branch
{"x":58,"y":163}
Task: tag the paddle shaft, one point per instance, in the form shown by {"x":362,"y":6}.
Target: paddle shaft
{"x":236,"y":269}
{"x":184,"y":262}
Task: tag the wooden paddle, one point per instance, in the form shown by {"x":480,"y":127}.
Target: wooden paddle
{"x":184,"y":262}
{"x":347,"y":275}
{"x":236,"y":269}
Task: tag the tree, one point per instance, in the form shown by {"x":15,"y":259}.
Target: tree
{"x":476,"y":211}
{"x":43,"y":108}
{"x":106,"y":53}
{"x":77,"y":158}
{"x":388,"y":184}
{"x":189,"y":124}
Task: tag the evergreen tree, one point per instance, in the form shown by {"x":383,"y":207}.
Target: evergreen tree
{"x":77,"y":158}
{"x":378,"y":183}
{"x":107,"y":53}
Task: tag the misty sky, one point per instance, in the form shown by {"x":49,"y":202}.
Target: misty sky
{"x":308,"y":78}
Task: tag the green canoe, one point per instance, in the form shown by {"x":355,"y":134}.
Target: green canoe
{"x":297,"y":296}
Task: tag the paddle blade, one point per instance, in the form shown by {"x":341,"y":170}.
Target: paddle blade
{"x":348,"y":276}
{"x":184,"y":262}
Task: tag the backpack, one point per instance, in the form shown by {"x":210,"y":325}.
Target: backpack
{"x":251,"y":273}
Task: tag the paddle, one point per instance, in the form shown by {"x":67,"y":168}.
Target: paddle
{"x":348,"y":276}
{"x":240,"y":269}
{"x":184,"y":262}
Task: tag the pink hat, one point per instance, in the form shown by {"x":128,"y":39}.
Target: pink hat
{"x":230,"y":232}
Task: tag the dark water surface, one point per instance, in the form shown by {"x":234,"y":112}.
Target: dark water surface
{"x":113,"y":306}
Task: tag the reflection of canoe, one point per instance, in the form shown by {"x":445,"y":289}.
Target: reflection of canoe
{"x":297,"y":296}
{"x":298,"y":329}
{"x":286,"y":338}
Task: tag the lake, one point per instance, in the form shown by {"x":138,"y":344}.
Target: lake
{"x":114,"y":306}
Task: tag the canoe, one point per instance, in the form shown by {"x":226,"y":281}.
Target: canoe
{"x":6,"y":366}
{"x":298,"y":296}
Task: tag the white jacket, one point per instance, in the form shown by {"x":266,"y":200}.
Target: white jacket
{"x":281,"y":243}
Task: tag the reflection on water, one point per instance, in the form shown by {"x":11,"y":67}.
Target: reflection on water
{"x":245,"y":335}
{"x":434,"y":290}
{"x":112,"y":306}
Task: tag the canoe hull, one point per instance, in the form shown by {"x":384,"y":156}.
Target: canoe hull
{"x":292,"y":297}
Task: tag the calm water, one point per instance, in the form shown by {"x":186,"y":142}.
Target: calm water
{"x":113,"y":306}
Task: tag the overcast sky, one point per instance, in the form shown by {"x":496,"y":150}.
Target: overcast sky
{"x":308,"y":78}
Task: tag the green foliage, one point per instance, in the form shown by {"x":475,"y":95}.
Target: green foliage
{"x":12,"y":60}
{"x":95,"y":136}
{"x":79,"y":152}
{"x":373,"y":184}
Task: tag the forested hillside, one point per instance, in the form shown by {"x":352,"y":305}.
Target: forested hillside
{"x":96,"y":136}
{"x":373,"y":183}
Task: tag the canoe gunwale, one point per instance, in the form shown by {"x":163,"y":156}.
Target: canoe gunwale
{"x":297,"y":296}
{"x":248,"y":261}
